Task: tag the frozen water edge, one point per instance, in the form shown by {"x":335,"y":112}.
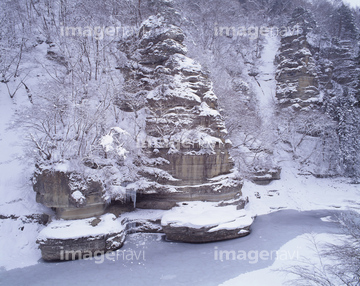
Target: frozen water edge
{"x":164,"y":263}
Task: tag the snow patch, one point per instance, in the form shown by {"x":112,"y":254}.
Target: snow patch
{"x":206,"y":214}
{"x":73,"y":229}
{"x":78,"y":196}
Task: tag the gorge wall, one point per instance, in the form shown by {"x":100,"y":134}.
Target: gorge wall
{"x":184,"y":139}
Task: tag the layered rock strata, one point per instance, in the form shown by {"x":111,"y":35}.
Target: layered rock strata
{"x":297,"y":72}
{"x":76,"y":239}
{"x":310,"y":67}
{"x":184,"y":142}
{"x":68,"y":194}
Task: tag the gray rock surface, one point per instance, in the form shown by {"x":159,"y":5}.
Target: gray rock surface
{"x":195,"y":235}
{"x":297,"y":73}
{"x":77,"y":239}
{"x":85,"y":247}
{"x":265,"y":176}
{"x":55,"y":189}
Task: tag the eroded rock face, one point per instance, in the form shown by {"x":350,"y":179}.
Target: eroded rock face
{"x":201,"y":235}
{"x":297,"y":73}
{"x":85,"y":247}
{"x":185,"y":147}
{"x":340,"y":64}
{"x":309,"y":63}
{"x":68,"y":194}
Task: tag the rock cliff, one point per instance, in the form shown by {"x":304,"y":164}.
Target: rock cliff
{"x":69,"y":194}
{"x":184,"y":142}
{"x":185,"y":156}
{"x":297,"y":73}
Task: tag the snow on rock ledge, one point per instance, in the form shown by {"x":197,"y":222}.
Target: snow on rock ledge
{"x":205,"y":222}
{"x":74,"y":239}
{"x":183,"y":126}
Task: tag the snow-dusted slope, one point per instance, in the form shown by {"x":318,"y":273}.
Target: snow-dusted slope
{"x":264,"y":82}
{"x":17,"y":199}
{"x":18,"y":229}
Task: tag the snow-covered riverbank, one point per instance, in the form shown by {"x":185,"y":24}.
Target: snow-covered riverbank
{"x":146,"y":259}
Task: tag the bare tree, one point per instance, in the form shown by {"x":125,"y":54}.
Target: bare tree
{"x":337,"y":263}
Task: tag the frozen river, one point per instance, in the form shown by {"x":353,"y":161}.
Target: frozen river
{"x":146,"y":259}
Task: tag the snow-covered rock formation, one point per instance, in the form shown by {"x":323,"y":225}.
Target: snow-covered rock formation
{"x":184,"y":141}
{"x":68,"y":194}
{"x":76,"y":239}
{"x":317,"y":76}
{"x":185,"y":156}
{"x":205,"y":222}
{"x":297,"y":78}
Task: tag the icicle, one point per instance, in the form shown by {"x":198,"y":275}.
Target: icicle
{"x":131,"y":196}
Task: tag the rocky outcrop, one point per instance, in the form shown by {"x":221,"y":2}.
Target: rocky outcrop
{"x":197,"y":222}
{"x":297,"y":72}
{"x":264,"y":176}
{"x":203,"y":234}
{"x":33,"y":218}
{"x":71,"y":196}
{"x":313,"y":68}
{"x":340,"y":59}
{"x":185,"y":157}
{"x":76,"y":239}
{"x":186,"y":152}
{"x":317,"y":76}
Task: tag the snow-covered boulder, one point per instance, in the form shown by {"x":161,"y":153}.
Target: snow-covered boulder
{"x":265,"y":175}
{"x":76,"y":239}
{"x":205,"y":222}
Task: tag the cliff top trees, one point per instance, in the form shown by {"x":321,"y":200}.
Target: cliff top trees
{"x":344,"y":23}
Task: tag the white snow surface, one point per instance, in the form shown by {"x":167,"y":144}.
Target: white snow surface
{"x":186,"y":63}
{"x":294,"y":252}
{"x":206,"y":214}
{"x":178,"y":90}
{"x":78,"y":196}
{"x":265,"y":84}
{"x":17,"y":244}
{"x":207,"y":111}
{"x":150,"y":214}
{"x":16,"y":194}
{"x":302,"y":193}
{"x":109,"y":144}
{"x":17,"y":198}
{"x":72,"y":229}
